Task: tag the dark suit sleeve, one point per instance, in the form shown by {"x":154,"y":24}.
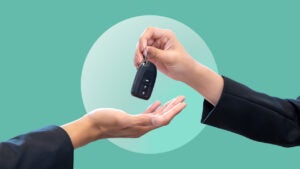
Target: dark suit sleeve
{"x":47,"y":148}
{"x":255,"y":115}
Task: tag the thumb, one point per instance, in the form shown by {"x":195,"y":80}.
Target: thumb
{"x":154,"y":53}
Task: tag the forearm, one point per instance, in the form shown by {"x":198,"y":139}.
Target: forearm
{"x":82,"y":131}
{"x":51,"y":145}
{"x":205,"y":81}
{"x":255,"y":115}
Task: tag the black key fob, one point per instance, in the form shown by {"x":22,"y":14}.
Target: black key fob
{"x":144,"y":80}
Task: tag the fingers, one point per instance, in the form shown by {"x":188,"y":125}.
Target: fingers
{"x":138,"y":58}
{"x":151,"y":37}
{"x":144,"y":123}
{"x":167,"y":112}
{"x":154,"y":53}
{"x":154,"y":117}
{"x":165,"y":119}
{"x":150,"y":34}
{"x":152,"y":107}
{"x":154,"y":110}
{"x":178,"y":100}
{"x":169,"y":105}
{"x":160,"y":109}
{"x":170,"y":114}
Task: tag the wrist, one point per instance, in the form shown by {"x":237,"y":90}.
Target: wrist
{"x":82,"y":131}
{"x":205,"y":81}
{"x":192,"y":70}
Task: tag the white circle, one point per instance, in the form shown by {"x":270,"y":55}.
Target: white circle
{"x":108,"y":73}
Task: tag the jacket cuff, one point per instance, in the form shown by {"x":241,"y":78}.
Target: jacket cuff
{"x":214,"y":115}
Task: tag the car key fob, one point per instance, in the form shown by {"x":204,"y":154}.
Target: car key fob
{"x":144,"y":80}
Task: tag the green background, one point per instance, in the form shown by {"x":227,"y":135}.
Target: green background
{"x":43,"y":46}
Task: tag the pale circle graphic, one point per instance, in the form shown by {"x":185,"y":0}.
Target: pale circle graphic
{"x":108,"y":73}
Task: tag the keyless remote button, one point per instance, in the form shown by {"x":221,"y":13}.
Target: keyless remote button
{"x":145,"y":86}
{"x":144,"y":81}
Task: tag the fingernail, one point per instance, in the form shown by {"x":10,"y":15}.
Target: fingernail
{"x":145,"y":52}
{"x":144,"y":45}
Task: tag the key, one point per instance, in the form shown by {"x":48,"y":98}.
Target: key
{"x":144,"y":81}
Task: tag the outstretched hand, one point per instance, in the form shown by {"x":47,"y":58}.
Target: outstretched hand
{"x":117,"y":123}
{"x":112,"y":123}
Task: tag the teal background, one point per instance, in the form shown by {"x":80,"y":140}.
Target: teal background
{"x":43,"y":46}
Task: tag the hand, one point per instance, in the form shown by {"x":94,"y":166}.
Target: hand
{"x":162,"y":48}
{"x":111,"y":123}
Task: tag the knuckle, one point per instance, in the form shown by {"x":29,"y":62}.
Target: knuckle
{"x":150,"y":28}
{"x":169,"y":32}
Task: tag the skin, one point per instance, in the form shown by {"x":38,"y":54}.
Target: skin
{"x":111,"y":123}
{"x":161,"y":47}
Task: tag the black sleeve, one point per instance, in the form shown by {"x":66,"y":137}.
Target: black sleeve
{"x":47,"y":148}
{"x":255,"y":115}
